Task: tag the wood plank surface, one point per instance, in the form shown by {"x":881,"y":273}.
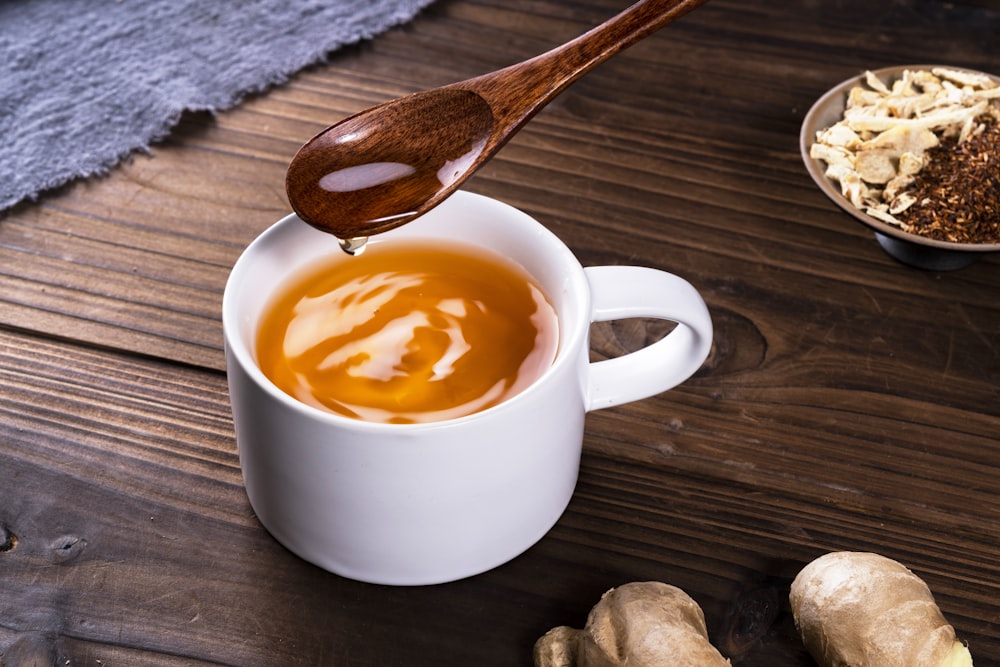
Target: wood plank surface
{"x":849,"y":402}
{"x":134,"y":542}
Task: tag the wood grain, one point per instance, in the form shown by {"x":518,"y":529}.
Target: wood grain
{"x":849,"y":402}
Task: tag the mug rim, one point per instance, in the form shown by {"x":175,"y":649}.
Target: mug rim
{"x":241,"y":353}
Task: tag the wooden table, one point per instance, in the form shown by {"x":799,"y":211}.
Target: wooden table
{"x":849,"y":402}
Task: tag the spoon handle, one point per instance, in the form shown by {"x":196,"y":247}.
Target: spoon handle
{"x":519,"y":91}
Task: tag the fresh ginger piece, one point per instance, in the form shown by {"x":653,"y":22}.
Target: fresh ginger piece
{"x":856,"y":609}
{"x":640,"y":624}
{"x":958,"y":657}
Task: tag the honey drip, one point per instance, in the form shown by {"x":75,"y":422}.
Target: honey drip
{"x":354,"y":246}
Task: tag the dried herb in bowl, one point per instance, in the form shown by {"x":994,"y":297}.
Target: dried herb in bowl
{"x":920,"y":153}
{"x":957,"y":192}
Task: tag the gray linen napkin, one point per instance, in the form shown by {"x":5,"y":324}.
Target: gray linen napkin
{"x":84,"y":83}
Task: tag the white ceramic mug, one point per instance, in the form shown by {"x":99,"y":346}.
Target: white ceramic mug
{"x":410,"y":504}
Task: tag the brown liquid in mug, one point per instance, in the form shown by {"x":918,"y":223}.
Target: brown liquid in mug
{"x":408,"y":332}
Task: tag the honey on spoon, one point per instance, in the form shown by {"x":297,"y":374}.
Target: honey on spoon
{"x":383,"y":167}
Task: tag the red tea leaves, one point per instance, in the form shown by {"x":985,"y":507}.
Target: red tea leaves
{"x":958,"y":191}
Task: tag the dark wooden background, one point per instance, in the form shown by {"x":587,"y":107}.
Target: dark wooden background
{"x":849,"y":402}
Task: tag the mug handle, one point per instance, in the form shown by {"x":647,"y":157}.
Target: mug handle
{"x":620,"y":292}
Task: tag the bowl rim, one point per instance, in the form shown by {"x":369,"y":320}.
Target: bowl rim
{"x":807,"y":135}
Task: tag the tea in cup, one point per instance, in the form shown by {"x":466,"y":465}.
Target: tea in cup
{"x":355,"y":461}
{"x":408,"y":332}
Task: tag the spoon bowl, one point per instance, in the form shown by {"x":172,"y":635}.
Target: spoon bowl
{"x":356,"y":171}
{"x":383,"y":167}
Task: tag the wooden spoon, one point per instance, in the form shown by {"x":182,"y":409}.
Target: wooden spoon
{"x":383,"y":167}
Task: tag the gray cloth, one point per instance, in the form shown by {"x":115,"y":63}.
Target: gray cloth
{"x":84,"y":83}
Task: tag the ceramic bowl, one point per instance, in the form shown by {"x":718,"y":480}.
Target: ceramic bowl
{"x":911,"y":249}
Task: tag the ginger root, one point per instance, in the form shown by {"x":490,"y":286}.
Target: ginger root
{"x":865,"y":610}
{"x":639,"y":624}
